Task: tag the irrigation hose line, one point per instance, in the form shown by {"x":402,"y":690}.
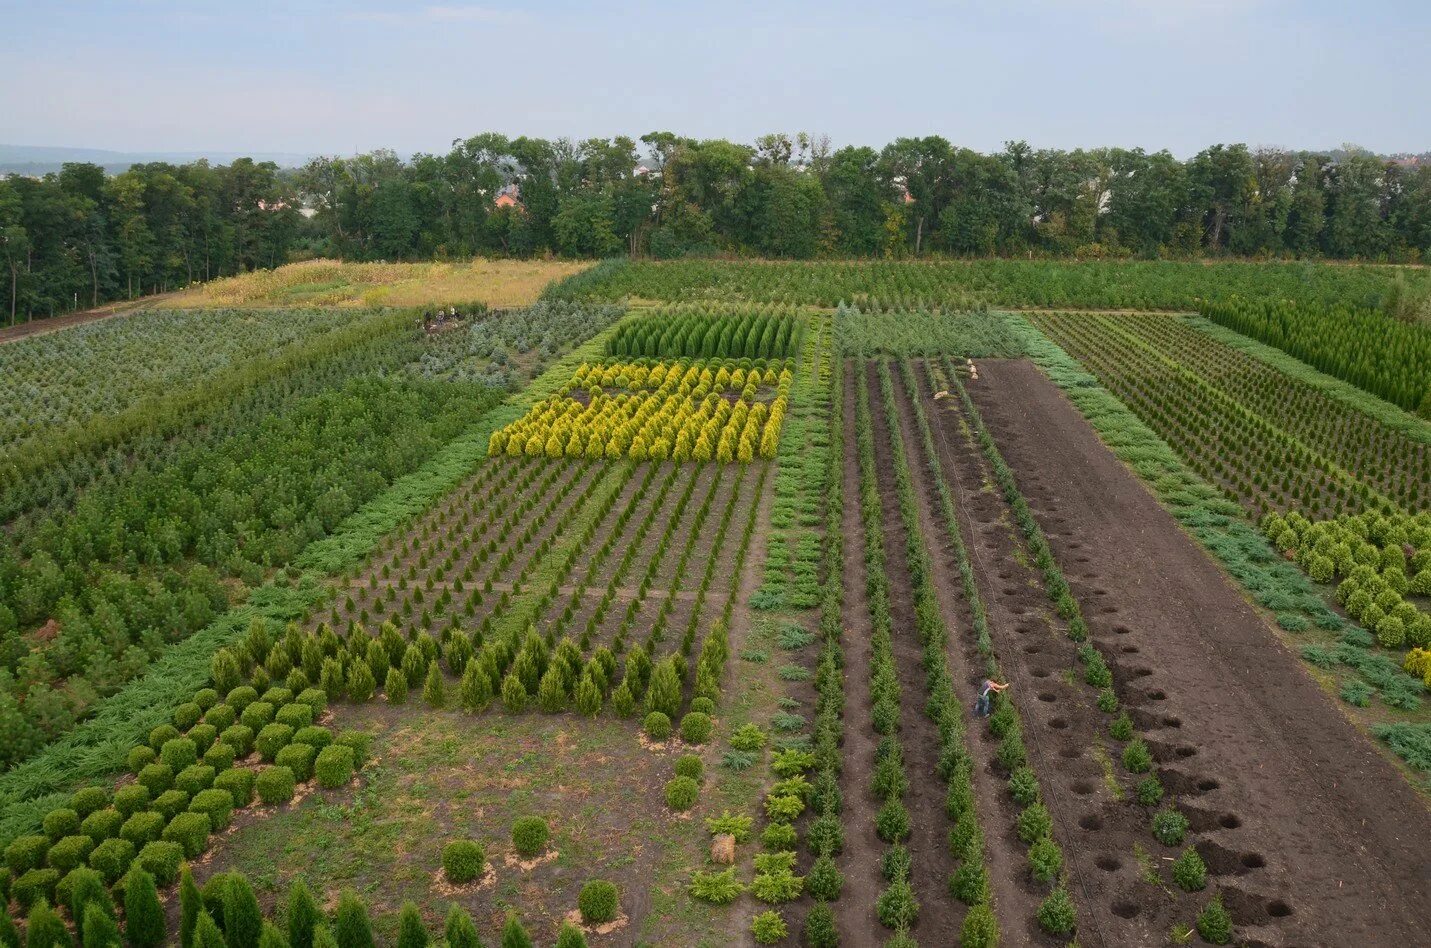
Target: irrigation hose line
{"x":973,"y":549}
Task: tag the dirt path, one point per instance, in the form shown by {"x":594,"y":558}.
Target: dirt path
{"x":1313,"y":837}
{"x":855,"y":912}
{"x":940,"y":914}
{"x":41,"y":327}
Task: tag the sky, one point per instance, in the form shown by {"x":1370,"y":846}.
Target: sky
{"x":313,"y":76}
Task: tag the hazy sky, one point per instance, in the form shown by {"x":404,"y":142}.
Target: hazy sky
{"x":315,"y":76}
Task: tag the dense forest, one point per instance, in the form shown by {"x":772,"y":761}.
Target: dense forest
{"x":80,"y":237}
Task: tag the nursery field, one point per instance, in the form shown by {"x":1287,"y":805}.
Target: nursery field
{"x":659,"y":611}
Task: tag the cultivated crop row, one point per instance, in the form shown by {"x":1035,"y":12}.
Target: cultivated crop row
{"x":709,"y":332}
{"x":1271,"y":441}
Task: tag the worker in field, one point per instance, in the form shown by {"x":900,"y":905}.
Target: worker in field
{"x":986,"y":696}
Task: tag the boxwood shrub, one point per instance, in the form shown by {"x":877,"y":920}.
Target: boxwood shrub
{"x":272,"y":739}
{"x":89,"y":799}
{"x":139,"y":758}
{"x":696,"y":727}
{"x":239,"y":737}
{"x":157,"y":777}
{"x":358,"y":742}
{"x":111,"y":859}
{"x":274,"y":785}
{"x":102,"y":824}
{"x":463,"y":860}
{"x":170,"y":803}
{"x":598,"y":902}
{"x":219,"y":756}
{"x":530,"y":835}
{"x":191,"y":831}
{"x":241,"y":697}
{"x":162,"y":734}
{"x":299,"y":759}
{"x":195,"y":778}
{"x":25,"y":853}
{"x":143,"y":827}
{"x":681,"y":793}
{"x":315,"y":698}
{"x":131,"y":799}
{"x":221,"y":716}
{"x":203,"y":736}
{"x":314,"y":736}
{"x":69,"y":852}
{"x":187,"y":715}
{"x":60,"y":822}
{"x":178,"y":753}
{"x":217,"y":804}
{"x":206,"y":698}
{"x":278,"y":696}
{"x":161,"y":860}
{"x":238,"y":783}
{"x":657,"y":726}
{"x":257,"y":715}
{"x":295,"y":714}
{"x":334,"y":766}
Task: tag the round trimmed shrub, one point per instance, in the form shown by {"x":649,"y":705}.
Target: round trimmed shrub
{"x":88,"y":800}
{"x":238,"y":784}
{"x":69,"y":852}
{"x":102,"y":824}
{"x":219,"y":756}
{"x":681,"y":793}
{"x":358,"y":742}
{"x":689,"y":765}
{"x":60,"y":822}
{"x":217,"y":804}
{"x":170,"y":803}
{"x":703,"y":705}
{"x":657,"y":726}
{"x":206,"y":698}
{"x":142,"y":828}
{"x":203,"y":736}
{"x":315,"y":698}
{"x":272,"y":739}
{"x":179,"y":752}
{"x":295,"y":714}
{"x":139,"y":758}
{"x":334,"y":766}
{"x":241,"y":697}
{"x":696,"y":727}
{"x":239,"y":737}
{"x":530,"y":835}
{"x":598,"y":902}
{"x":278,"y":696}
{"x":221,"y":716}
{"x":314,"y":736}
{"x":111,"y":859}
{"x":195,"y":778}
{"x":187,"y":715}
{"x":131,"y":799}
{"x":190,"y":830}
{"x":161,"y":860}
{"x":299,"y":759}
{"x":25,"y":853}
{"x":162,"y":734}
{"x":463,"y":860}
{"x":274,"y":785}
{"x":257,"y":715}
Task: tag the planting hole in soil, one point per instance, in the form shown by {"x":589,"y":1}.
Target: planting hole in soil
{"x":1047,"y":696}
{"x":1108,"y":863}
{"x":1278,"y":909}
{"x":1207,"y":784}
{"x":1058,"y":724}
{"x":1082,"y":787}
{"x":1253,"y":860}
{"x":1091,"y":822}
{"x":1229,"y":821}
{"x":1125,"y":909}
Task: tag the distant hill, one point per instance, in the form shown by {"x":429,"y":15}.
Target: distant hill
{"x":42,"y":159}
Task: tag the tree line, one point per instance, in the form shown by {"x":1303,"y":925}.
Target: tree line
{"x":79,"y":237}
